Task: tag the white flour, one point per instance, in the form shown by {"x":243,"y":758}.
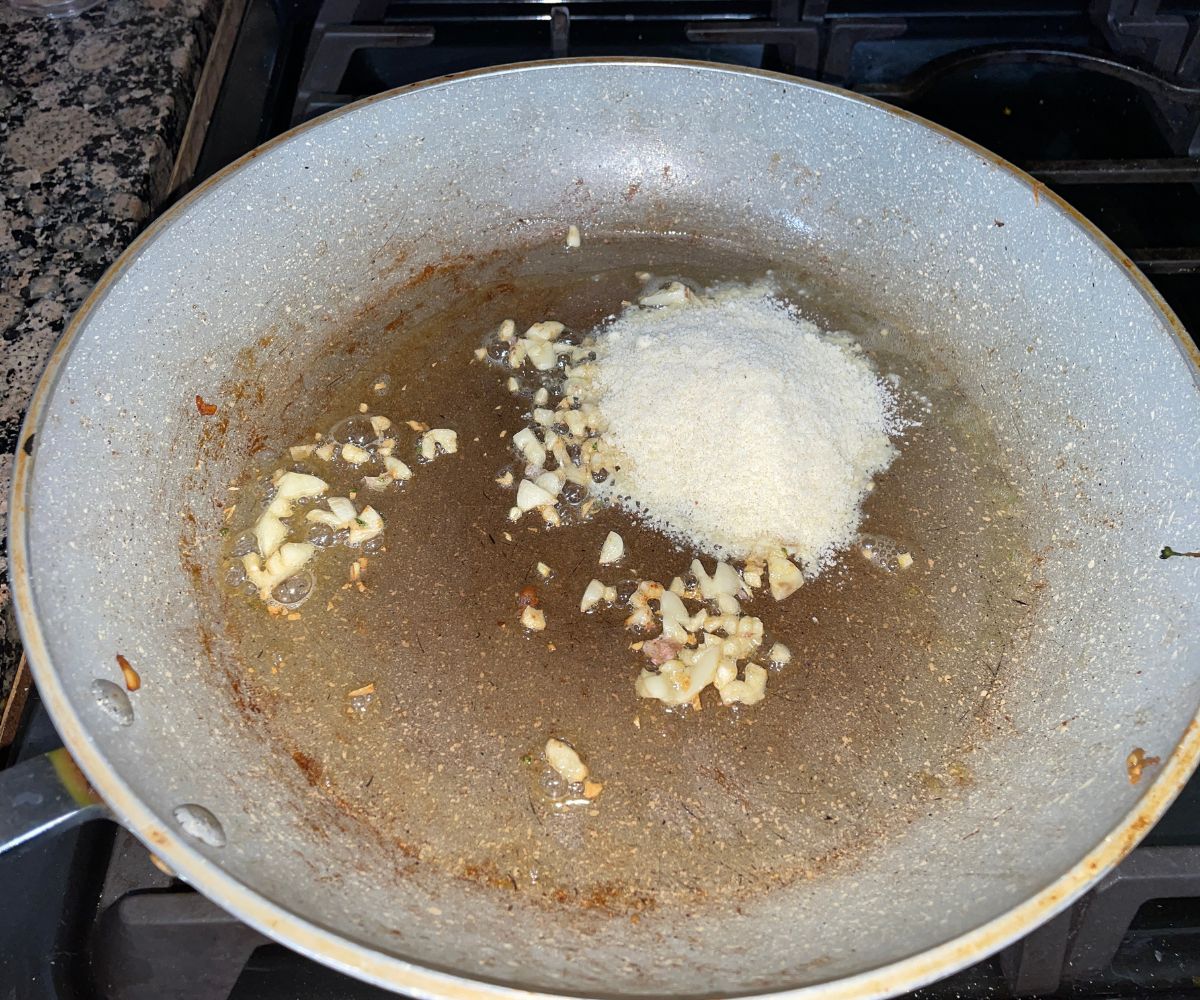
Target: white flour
{"x":741,"y":426}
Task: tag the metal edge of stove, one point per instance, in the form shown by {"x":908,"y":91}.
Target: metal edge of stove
{"x":264,"y":63}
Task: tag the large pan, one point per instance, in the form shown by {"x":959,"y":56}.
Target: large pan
{"x":913,"y":795}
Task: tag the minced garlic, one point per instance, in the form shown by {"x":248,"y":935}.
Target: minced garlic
{"x":563,"y":758}
{"x":533,"y":618}
{"x":612,"y":550}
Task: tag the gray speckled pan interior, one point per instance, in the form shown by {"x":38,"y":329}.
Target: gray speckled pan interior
{"x":1047,"y":331}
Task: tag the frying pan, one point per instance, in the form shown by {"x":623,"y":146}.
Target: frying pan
{"x":911,"y":796}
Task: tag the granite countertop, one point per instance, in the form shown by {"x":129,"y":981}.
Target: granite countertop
{"x":92,"y":112}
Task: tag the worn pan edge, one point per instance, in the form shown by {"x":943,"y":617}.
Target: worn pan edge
{"x":363,"y":961}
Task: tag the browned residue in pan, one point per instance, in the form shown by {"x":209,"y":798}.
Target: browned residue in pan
{"x":1136,"y":763}
{"x":896,"y":676}
{"x":311,"y":768}
{"x":132,"y":678}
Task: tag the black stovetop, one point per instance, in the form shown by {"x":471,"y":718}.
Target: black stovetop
{"x":1100,"y":100}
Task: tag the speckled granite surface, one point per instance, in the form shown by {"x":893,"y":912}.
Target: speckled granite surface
{"x":92,"y":110}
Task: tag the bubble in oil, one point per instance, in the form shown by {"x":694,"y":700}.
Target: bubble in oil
{"x":625,"y":590}
{"x":880,"y":551}
{"x":573,"y":493}
{"x":354,"y":430}
{"x":360,"y":704}
{"x":295,"y":590}
{"x":322,"y":535}
{"x":245,"y":544}
{"x":235,"y":575}
{"x":561,"y":795}
{"x":553,"y":784}
{"x":113,"y":701}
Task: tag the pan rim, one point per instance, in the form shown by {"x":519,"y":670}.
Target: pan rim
{"x":393,"y":972}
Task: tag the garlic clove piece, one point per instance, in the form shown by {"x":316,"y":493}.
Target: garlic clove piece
{"x":397,"y":469}
{"x":296,"y":485}
{"x":343,"y":509}
{"x":565,"y":760}
{"x":612,"y":550}
{"x":533,"y":618}
{"x":366,"y":526}
{"x":779,"y":655}
{"x":438,"y":438}
{"x":551,"y":482}
{"x":546,"y":331}
{"x":527,"y":443}
{"x":541,"y":354}
{"x":674,"y":614}
{"x":531,"y":496}
{"x":750,"y":691}
{"x":674,"y":294}
{"x":593,"y":594}
{"x":355,"y":455}
{"x":269,"y":533}
{"x":288,"y":560}
{"x":784,"y":576}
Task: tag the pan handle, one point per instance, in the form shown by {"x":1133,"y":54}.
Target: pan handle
{"x":43,"y":794}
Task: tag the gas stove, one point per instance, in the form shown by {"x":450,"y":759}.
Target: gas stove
{"x":1099,"y":100}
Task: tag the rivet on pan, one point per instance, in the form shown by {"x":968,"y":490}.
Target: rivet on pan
{"x":113,"y":701}
{"x":200,"y":824}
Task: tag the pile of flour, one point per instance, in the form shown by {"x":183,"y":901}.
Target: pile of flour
{"x":740,"y":426}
